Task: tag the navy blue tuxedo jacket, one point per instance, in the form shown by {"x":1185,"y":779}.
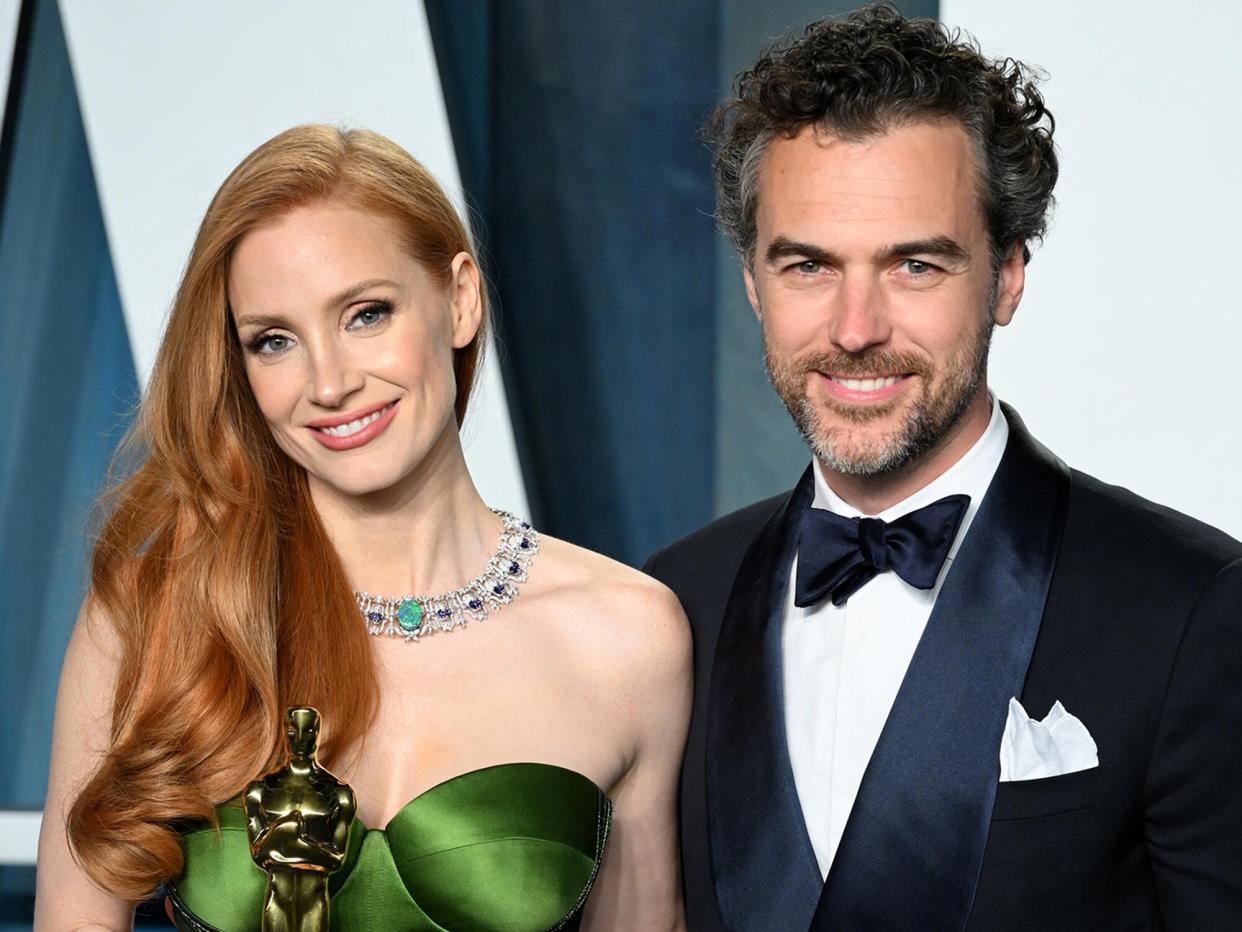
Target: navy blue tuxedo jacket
{"x":1064,"y":588}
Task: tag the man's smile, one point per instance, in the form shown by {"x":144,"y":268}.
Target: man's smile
{"x":865,"y":388}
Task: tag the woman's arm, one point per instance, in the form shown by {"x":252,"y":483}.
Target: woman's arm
{"x":639,"y":885}
{"x":65,"y":898}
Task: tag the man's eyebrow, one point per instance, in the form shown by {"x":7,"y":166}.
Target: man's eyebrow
{"x":783,"y":248}
{"x":276,"y":320}
{"x":945,"y":247}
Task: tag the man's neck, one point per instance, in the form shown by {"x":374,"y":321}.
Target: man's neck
{"x":874,"y":494}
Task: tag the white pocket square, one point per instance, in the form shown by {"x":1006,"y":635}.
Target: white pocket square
{"x":1058,"y":745}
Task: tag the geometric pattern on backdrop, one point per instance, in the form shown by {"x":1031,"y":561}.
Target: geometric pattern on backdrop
{"x":67,"y":385}
{"x":9,"y":10}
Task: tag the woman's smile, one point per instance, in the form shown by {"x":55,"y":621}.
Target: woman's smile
{"x":356,"y":429}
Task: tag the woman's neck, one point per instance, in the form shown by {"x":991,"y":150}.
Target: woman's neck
{"x":428,"y":534}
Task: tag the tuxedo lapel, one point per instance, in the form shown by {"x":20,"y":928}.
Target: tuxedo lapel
{"x":913,"y":846}
{"x":764,"y":866}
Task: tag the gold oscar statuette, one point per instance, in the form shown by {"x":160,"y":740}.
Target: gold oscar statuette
{"x":298,"y":819}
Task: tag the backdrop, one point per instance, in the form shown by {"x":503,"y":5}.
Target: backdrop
{"x":625,"y":402}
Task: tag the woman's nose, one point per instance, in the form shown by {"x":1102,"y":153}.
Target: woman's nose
{"x":333,"y":378}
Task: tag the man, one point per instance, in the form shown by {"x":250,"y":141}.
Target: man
{"x":946,"y":682}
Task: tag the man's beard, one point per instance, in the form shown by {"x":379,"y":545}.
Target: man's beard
{"x":932,"y":415}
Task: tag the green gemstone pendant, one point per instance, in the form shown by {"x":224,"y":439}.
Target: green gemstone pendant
{"x":409,"y":615}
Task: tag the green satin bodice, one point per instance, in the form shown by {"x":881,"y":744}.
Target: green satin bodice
{"x":515,"y":847}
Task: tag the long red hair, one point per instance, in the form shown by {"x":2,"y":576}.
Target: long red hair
{"x":228,"y":599}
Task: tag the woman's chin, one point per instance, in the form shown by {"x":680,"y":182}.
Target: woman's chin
{"x":355,"y":483}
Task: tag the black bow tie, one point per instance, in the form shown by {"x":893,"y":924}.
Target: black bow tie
{"x":837,"y":556}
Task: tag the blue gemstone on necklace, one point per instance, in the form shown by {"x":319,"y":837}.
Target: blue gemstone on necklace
{"x":525,"y":526}
{"x":410,"y":615}
{"x":498,"y":589}
{"x":475,"y":604}
{"x":442,"y":613}
{"x":375,"y":616}
{"x":513,"y":567}
{"x":525,"y":544}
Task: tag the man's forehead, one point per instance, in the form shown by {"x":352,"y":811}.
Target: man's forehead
{"x":918,"y":173}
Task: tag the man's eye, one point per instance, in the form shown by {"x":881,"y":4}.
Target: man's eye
{"x":808,"y":267}
{"x":917,"y":267}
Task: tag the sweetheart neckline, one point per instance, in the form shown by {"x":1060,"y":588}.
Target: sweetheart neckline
{"x":529,"y":801}
{"x":474,"y":773}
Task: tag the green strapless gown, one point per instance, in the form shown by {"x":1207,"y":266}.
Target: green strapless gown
{"x":514,"y":847}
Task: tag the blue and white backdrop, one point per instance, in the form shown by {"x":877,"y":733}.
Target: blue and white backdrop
{"x":624,"y":402}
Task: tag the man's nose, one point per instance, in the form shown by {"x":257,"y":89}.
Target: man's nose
{"x":859,"y":315}
{"x":333,"y":376}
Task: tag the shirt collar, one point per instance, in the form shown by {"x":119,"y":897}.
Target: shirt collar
{"x":971,"y":475}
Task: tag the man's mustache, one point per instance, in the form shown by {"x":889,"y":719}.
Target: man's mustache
{"x":866,"y":364}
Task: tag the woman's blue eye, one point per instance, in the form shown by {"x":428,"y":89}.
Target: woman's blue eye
{"x":371,"y":315}
{"x":269,"y":344}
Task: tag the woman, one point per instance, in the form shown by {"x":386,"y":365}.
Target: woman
{"x":301,"y":453}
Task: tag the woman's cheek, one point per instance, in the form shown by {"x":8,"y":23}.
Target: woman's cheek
{"x":272,"y":394}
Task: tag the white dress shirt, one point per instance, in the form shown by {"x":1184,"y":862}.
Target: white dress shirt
{"x":843,"y":665}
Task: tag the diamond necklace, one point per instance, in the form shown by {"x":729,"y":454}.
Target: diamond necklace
{"x":410,"y":616}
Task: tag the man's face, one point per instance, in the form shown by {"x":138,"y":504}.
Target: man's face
{"x":872,"y":280}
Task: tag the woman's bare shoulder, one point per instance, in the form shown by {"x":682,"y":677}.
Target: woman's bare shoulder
{"x":567,"y":571}
{"x":602,"y":603}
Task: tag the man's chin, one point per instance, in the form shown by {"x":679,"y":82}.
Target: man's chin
{"x":832,"y":411}
{"x":863,"y":466}
{"x":855,"y":451}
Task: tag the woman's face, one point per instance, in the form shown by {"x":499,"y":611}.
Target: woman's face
{"x":348,"y":343}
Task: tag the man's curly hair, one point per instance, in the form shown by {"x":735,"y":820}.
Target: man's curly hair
{"x":862,"y":75}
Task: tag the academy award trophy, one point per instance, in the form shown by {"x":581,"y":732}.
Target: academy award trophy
{"x":298,"y":819}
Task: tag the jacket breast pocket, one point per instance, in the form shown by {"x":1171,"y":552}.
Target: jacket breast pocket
{"x":1071,"y":792}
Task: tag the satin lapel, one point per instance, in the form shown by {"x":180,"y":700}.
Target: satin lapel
{"x":762,"y":861}
{"x":913,"y":846}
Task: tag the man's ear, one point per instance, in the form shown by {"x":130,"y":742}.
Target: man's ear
{"x":1011,"y":280}
{"x":751,"y":294}
{"x":465,"y":299}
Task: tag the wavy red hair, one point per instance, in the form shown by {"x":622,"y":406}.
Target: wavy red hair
{"x":227,"y":597}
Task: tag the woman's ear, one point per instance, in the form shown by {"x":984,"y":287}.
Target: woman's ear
{"x":465,"y":299}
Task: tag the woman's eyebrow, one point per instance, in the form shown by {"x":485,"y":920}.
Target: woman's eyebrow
{"x":344,"y":297}
{"x":262,"y":320}
{"x":354,"y":290}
